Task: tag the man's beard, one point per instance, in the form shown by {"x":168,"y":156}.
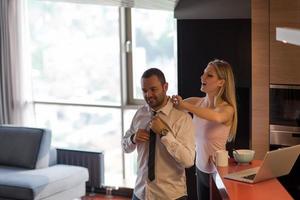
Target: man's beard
{"x":156,"y":102}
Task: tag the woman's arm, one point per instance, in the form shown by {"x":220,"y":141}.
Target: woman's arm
{"x":193,"y":100}
{"x":221,"y":114}
{"x":176,"y":100}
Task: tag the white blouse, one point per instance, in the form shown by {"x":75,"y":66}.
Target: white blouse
{"x":210,"y":137}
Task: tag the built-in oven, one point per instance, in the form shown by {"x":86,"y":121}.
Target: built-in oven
{"x":285,"y":129}
{"x":283,"y":136}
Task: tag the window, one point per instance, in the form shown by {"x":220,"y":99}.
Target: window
{"x":77,"y":76}
{"x":75,"y":48}
{"x":153,"y":46}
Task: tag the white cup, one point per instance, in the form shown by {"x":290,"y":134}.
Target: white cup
{"x":221,"y":158}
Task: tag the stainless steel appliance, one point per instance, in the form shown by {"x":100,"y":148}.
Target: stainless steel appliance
{"x":284,"y":135}
{"x":285,"y":128}
{"x":284,"y":115}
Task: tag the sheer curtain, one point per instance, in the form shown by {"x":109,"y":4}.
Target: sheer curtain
{"x":12,"y":84}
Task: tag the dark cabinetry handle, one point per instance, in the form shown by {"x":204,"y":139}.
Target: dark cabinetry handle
{"x":296,"y":135}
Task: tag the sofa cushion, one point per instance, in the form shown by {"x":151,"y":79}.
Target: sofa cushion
{"x":19,"y":146}
{"x":43,"y":159}
{"x":53,"y":156}
{"x":24,"y":184}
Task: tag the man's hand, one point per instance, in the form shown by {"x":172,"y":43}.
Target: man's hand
{"x":157,"y":125}
{"x":141,"y":136}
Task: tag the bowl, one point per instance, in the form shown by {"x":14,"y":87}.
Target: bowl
{"x":243,"y":155}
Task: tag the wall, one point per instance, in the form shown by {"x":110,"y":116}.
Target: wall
{"x":273,"y":62}
{"x":260,"y":77}
{"x":284,"y":58}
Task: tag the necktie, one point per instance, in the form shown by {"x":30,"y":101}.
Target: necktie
{"x":151,"y":158}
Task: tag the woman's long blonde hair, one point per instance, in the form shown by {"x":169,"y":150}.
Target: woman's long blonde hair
{"x":227,"y":92}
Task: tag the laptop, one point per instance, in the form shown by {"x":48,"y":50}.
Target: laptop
{"x":276,"y":163}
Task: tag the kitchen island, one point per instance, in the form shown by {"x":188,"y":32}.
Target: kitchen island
{"x":222,"y":188}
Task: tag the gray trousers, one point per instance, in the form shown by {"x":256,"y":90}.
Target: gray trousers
{"x":134,"y":197}
{"x":202,"y":185}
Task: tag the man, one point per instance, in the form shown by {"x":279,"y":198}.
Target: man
{"x":164,"y":139}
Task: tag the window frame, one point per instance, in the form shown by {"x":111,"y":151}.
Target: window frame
{"x":129,"y":60}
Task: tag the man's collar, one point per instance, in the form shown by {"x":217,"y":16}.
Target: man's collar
{"x":166,"y":109}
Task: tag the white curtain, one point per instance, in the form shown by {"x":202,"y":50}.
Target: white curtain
{"x":146,"y":4}
{"x":13,"y":103}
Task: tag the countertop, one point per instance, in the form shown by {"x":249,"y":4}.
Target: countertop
{"x":222,"y":188}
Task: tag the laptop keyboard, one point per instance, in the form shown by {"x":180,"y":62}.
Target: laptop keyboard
{"x":250,"y":177}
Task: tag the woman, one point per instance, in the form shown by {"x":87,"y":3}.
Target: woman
{"x":215,"y":118}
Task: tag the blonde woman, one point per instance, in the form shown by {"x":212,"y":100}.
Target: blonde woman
{"x":215,"y":118}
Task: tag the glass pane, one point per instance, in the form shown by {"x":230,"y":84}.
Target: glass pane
{"x":130,"y":158}
{"x":153,"y":41}
{"x":86,"y":128}
{"x":75,"y":52}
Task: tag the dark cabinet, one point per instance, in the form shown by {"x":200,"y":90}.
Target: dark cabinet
{"x":202,"y":40}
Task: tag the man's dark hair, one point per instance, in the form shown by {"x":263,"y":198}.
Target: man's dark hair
{"x":155,"y":72}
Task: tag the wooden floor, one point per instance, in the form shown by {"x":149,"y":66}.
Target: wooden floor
{"x":103,"y":197}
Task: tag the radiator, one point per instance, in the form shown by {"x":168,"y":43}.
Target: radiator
{"x":93,"y":161}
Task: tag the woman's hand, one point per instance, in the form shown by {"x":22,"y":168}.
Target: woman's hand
{"x":177,"y":101}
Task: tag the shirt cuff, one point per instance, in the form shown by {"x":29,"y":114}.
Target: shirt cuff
{"x":168,"y":139}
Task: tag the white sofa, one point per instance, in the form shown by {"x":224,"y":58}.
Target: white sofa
{"x":28,"y":168}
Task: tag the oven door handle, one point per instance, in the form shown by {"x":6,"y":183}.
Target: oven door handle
{"x":291,"y":132}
